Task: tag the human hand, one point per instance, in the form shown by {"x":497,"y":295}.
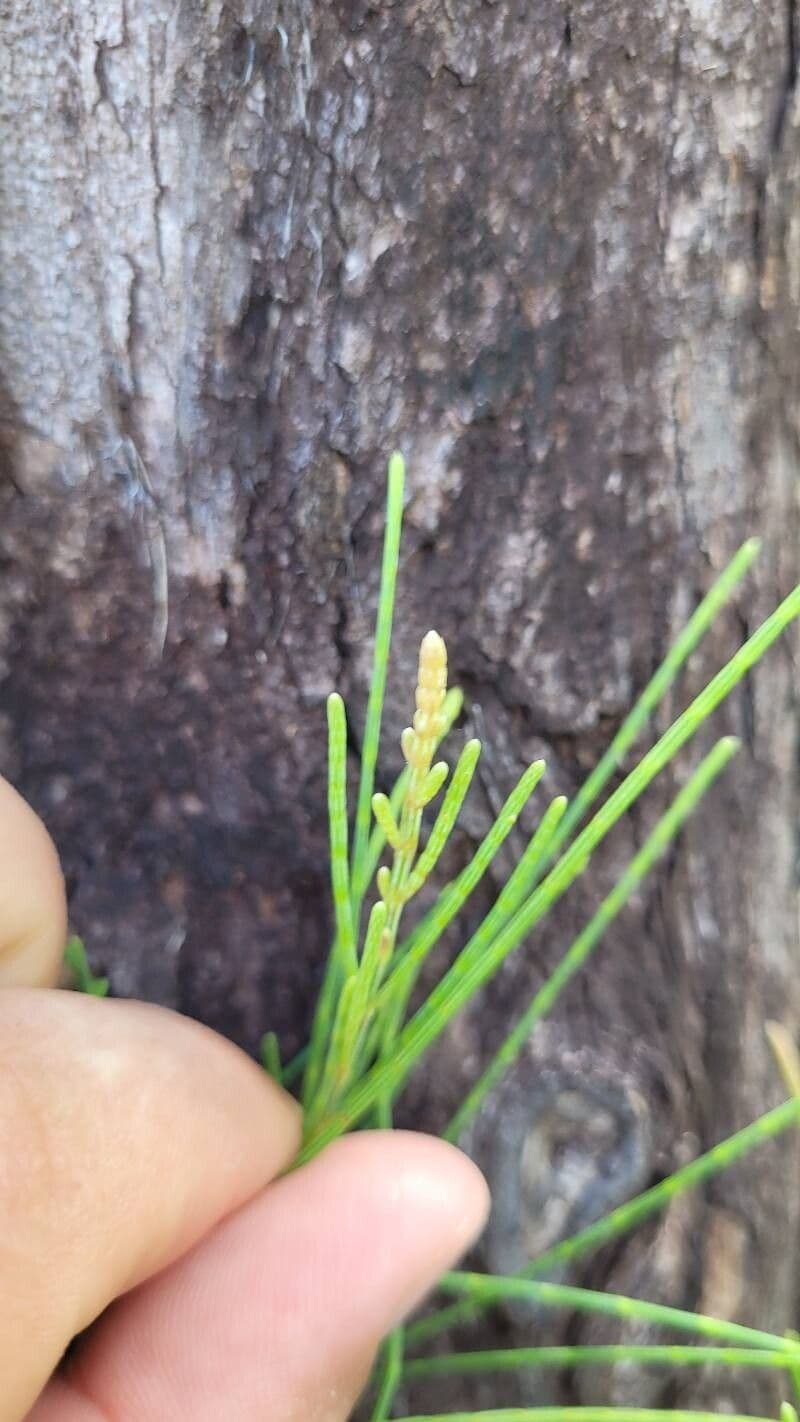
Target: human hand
{"x":136,"y":1154}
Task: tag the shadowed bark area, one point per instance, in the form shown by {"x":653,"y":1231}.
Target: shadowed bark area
{"x":550,"y":251}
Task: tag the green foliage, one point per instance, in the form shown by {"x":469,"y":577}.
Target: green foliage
{"x":364,"y":1044}
{"x":377,"y":690}
{"x":479,"y":961}
{"x":586,"y":1414}
{"x":621,"y":1220}
{"x":271,"y":1056}
{"x":78,"y":964}
{"x":492,"y":1288}
{"x":578,"y":952}
{"x":506,"y":1360}
{"x":659,"y":684}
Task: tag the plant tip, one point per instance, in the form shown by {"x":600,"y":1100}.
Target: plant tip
{"x":397,"y":466}
{"x":731,"y":743}
{"x":432,"y":644}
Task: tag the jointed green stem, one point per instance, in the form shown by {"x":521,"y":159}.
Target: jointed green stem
{"x":343,"y":959}
{"x":522,"y":879}
{"x":619,"y":1221}
{"x":656,"y":688}
{"x":78,"y":964}
{"x":405,"y":854}
{"x":377,"y":689}
{"x":295,"y":1067}
{"x":583,"y":1414}
{"x":577,"y":954}
{"x":401,"y":984}
{"x":271,"y":1056}
{"x":411,"y":955}
{"x":470,"y":972}
{"x":448,"y":814}
{"x":343,"y":1042}
{"x":518,"y":1359}
{"x":391,"y":1376}
{"x":350,"y":1022}
{"x":390,"y":1002}
{"x":494,"y":1288}
{"x":337,"y":822}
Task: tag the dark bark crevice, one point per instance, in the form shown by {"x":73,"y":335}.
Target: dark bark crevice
{"x":781,"y":113}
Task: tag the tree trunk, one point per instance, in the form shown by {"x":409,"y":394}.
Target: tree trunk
{"x":550,"y":251}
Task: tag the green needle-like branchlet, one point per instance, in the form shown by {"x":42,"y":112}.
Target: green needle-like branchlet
{"x":343,"y":958}
{"x":295,"y":1067}
{"x":583,"y":1414}
{"x":343,"y":1038}
{"x":78,"y":964}
{"x":271,"y":1056}
{"x":578,"y":952}
{"x":400,"y":986}
{"x":448,"y":814}
{"x":411,"y":955}
{"x":623,"y":1219}
{"x":507,"y":1360}
{"x":657,"y":687}
{"x":362,"y":1050}
{"x":493,"y":1288}
{"x":350,"y":1023}
{"x":470,"y":971}
{"x":523,"y":877}
{"x":391,"y":1374}
{"x":337,"y":823}
{"x":377,"y":688}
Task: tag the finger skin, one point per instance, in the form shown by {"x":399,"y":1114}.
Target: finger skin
{"x":33,"y":912}
{"x":61,"y":1403}
{"x":275,"y":1316}
{"x":128,"y":1132}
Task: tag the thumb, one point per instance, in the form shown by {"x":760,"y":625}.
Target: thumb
{"x":277,"y":1314}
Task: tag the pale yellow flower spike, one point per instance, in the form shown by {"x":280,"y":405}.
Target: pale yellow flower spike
{"x":419,"y":741}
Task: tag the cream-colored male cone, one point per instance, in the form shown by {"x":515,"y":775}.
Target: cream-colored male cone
{"x":419,"y":741}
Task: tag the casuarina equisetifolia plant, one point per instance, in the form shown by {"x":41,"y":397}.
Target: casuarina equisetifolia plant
{"x":371,"y":1030}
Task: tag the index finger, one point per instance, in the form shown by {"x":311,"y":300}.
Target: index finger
{"x":33,"y":909}
{"x":126,"y":1134}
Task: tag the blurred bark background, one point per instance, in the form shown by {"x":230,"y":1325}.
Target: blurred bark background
{"x":551,"y":250}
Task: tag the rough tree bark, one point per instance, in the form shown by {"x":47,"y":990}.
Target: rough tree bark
{"x":550,"y":250}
